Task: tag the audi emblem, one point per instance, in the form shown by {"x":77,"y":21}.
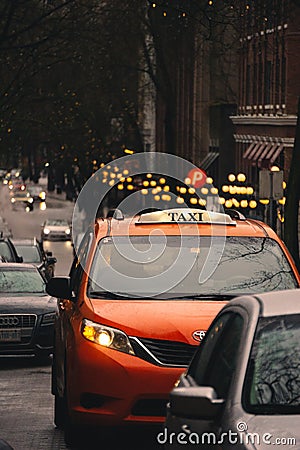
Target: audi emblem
{"x":9,"y":321}
{"x":198,"y":335}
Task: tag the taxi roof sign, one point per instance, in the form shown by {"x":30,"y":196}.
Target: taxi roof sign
{"x":186,"y":215}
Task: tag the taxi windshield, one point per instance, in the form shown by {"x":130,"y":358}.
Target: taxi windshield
{"x":154,"y":265}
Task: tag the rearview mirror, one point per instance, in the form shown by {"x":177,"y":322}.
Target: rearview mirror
{"x":195,"y":402}
{"x":59,"y":287}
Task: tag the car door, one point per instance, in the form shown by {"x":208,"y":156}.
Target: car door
{"x":213,"y":365}
{"x":66,"y":308}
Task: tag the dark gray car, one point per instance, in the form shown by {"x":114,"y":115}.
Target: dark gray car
{"x":242,"y":388}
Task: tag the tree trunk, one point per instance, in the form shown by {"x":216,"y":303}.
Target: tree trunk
{"x":292,"y":201}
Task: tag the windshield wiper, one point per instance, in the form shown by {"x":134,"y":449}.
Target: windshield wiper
{"x":205,"y":296}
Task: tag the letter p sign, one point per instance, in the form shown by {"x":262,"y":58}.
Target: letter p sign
{"x":197,"y":177}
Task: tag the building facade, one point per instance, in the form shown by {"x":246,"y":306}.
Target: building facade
{"x":269,"y":86}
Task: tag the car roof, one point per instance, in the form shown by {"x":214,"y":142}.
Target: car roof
{"x":275,"y":303}
{"x":144,"y":224}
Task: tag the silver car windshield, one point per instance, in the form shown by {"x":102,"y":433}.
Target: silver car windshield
{"x":272,"y":384}
{"x":148,"y":266}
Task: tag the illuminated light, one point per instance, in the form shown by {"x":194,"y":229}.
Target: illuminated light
{"x":191,"y":190}
{"x":125,"y":172}
{"x":162,"y":180}
{"x":243,"y":190}
{"x":159,"y":188}
{"x":180,"y":200}
{"x":47,"y":164}
{"x":283,"y":185}
{"x":154,"y":191}
{"x":225,"y":188}
{"x":166,"y":188}
{"x":122,"y":179}
{"x":144,"y":191}
{"x":204,"y":191}
{"x":149,"y":175}
{"x":146,"y":183}
{"x":253,"y":204}
{"x":27,"y":209}
{"x":241,"y":177}
{"x":166,"y":197}
{"x":130,"y":187}
{"x":102,"y":165}
{"x":250,"y":190}
{"x":12,"y":200}
{"x":9,"y":130}
{"x":238,"y":190}
{"x":210,"y":2}
{"x":221,"y":200}
{"x":187,"y":180}
{"x":209,"y":180}
{"x":264,"y":201}
{"x":152,"y":183}
{"x":282,"y":201}
{"x":232,"y":190}
{"x":153,"y":5}
{"x":235,"y":202}
{"x":94,"y":162}
{"x":46,"y":231}
{"x":228,"y":204}
{"x":214,"y":190}
{"x":231,"y":177}
{"x":165,"y":14}
{"x":105,"y":338}
{"x":202,"y":202}
{"x":112,"y":175}
{"x":43,"y":206}
{"x":128,"y":151}
{"x":119,"y":175}
{"x":183,"y":14}
{"x":111,"y":182}
{"x":156,"y":198}
{"x":120,"y":186}
{"x":182,"y":190}
{"x":244,"y":203}
{"x":105,"y":173}
{"x":275,"y":169}
{"x":104,"y":180}
{"x":116,"y":169}
{"x":129,"y":179}
{"x":193,"y":200}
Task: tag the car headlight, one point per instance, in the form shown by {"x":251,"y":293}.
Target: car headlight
{"x":30,"y":200}
{"x":68,"y":231}
{"x":46,"y":231}
{"x":106,"y":336}
{"x":42,"y":195}
{"x":49,"y":318}
{"x":12,"y":200}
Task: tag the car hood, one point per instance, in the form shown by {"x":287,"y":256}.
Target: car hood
{"x":271,"y":429}
{"x":27,"y":305}
{"x":174,"y":320}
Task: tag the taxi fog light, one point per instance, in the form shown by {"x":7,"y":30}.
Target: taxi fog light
{"x":106,"y":336}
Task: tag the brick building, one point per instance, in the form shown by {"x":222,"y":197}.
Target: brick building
{"x":269,"y":85}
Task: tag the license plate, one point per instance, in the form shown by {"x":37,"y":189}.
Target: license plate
{"x":10,"y":335}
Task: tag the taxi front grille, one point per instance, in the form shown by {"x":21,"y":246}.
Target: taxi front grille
{"x":162,"y":352}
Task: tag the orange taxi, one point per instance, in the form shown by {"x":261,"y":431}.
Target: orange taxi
{"x":141,"y":293}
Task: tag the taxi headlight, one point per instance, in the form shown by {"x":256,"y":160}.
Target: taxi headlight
{"x":106,"y":336}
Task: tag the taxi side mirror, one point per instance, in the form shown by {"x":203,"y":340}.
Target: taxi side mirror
{"x":59,"y":287}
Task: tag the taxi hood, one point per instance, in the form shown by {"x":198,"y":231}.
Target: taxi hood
{"x":175,"y":320}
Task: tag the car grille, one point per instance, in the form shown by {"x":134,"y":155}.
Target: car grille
{"x":162,"y":352}
{"x":23,"y":322}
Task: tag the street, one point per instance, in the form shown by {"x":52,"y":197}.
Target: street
{"x":26,"y":416}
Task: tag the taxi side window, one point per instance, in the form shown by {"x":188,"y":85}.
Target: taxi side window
{"x":216,"y":361}
{"x":79,"y":261}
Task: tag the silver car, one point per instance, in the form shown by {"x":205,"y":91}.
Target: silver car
{"x":242,"y":388}
{"x":56,"y":229}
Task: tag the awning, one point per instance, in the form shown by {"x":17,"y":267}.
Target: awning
{"x":263,"y":151}
{"x":208,"y":160}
